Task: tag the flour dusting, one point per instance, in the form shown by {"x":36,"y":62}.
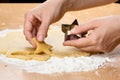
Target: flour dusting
{"x":57,"y":65}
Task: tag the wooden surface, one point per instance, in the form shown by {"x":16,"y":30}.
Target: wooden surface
{"x":12,"y":16}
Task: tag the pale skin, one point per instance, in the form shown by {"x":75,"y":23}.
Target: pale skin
{"x":104,"y":37}
{"x":37,"y":21}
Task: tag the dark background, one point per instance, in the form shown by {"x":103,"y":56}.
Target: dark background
{"x":118,"y":1}
{"x":21,"y":1}
{"x":27,"y":1}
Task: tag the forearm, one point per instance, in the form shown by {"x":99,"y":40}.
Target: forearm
{"x":72,"y":5}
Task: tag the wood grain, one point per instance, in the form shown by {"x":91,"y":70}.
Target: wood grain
{"x":12,"y":16}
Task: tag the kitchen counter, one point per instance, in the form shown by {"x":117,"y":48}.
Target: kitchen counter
{"x":12,"y":17}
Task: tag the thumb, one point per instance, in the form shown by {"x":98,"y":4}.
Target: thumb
{"x":85,"y":27}
{"x":42,"y":31}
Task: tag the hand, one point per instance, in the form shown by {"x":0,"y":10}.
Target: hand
{"x":104,"y":37}
{"x":38,"y":19}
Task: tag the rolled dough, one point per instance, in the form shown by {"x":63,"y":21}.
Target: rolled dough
{"x":14,"y":45}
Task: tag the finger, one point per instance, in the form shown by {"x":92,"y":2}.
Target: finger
{"x":28,"y":31}
{"x":89,"y":49}
{"x":85,"y":27}
{"x":42,"y":32}
{"x":34,"y":32}
{"x":82,"y":42}
{"x":35,"y":29}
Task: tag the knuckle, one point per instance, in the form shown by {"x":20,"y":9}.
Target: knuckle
{"x":99,"y":48}
{"x":29,"y":15}
{"x":94,"y":40}
{"x":46,"y":22}
{"x":41,"y":33}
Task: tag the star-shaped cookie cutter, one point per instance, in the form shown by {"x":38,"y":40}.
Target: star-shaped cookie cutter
{"x":66,"y":28}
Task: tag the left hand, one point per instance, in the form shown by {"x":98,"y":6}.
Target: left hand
{"x":104,"y":37}
{"x":38,"y":19}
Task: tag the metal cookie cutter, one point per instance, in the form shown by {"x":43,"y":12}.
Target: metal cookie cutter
{"x":66,"y":28}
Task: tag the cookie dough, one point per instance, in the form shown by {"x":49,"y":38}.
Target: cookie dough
{"x":42,"y":48}
{"x":14,"y":45}
{"x":42,"y":52}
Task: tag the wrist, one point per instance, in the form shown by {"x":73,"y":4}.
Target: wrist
{"x":66,"y":5}
{"x":61,"y":5}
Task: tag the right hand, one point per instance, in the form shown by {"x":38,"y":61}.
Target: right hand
{"x":38,"y":19}
{"x":104,"y":37}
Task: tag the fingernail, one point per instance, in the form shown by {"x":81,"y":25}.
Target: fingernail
{"x":40,"y":38}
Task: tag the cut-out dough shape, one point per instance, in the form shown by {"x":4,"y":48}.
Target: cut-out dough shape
{"x":42,"y":47}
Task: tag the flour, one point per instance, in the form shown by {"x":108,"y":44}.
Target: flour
{"x":53,"y":65}
{"x":58,"y":65}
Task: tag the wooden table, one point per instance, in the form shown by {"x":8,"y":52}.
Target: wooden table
{"x":12,"y":16}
